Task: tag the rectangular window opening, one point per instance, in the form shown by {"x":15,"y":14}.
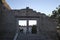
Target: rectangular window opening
{"x":22,"y":22}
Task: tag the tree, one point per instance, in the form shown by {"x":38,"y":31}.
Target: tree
{"x":56,"y":14}
{"x":34,"y":29}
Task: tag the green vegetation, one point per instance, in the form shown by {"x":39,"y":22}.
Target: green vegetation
{"x":56,"y":14}
{"x":34,"y":29}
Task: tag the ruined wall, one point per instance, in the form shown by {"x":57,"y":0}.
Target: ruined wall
{"x":46,"y":26}
{"x":6,"y":5}
{"x":8,"y":23}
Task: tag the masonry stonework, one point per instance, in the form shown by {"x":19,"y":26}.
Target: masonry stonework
{"x":8,"y":23}
{"x":9,"y":28}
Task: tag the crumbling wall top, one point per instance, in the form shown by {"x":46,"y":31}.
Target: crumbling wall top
{"x":5,"y":4}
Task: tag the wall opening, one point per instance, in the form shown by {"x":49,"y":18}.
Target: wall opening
{"x":22,"y":22}
{"x":32,"y":22}
{"x":23,"y":26}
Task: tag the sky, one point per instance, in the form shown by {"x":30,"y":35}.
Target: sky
{"x":43,"y":6}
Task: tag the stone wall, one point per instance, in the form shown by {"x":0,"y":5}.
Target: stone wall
{"x":8,"y":23}
{"x":45,"y":25}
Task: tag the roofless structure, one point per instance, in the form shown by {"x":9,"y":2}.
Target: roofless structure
{"x":10,"y":28}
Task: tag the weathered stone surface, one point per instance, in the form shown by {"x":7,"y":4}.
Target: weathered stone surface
{"x":6,"y":5}
{"x":46,"y":27}
{"x":8,"y":22}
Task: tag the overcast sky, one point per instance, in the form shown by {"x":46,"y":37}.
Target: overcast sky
{"x":43,"y":6}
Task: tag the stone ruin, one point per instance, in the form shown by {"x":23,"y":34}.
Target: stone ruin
{"x":9,"y":27}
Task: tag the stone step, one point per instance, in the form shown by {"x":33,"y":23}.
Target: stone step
{"x":29,"y":37}
{"x":34,"y":37}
